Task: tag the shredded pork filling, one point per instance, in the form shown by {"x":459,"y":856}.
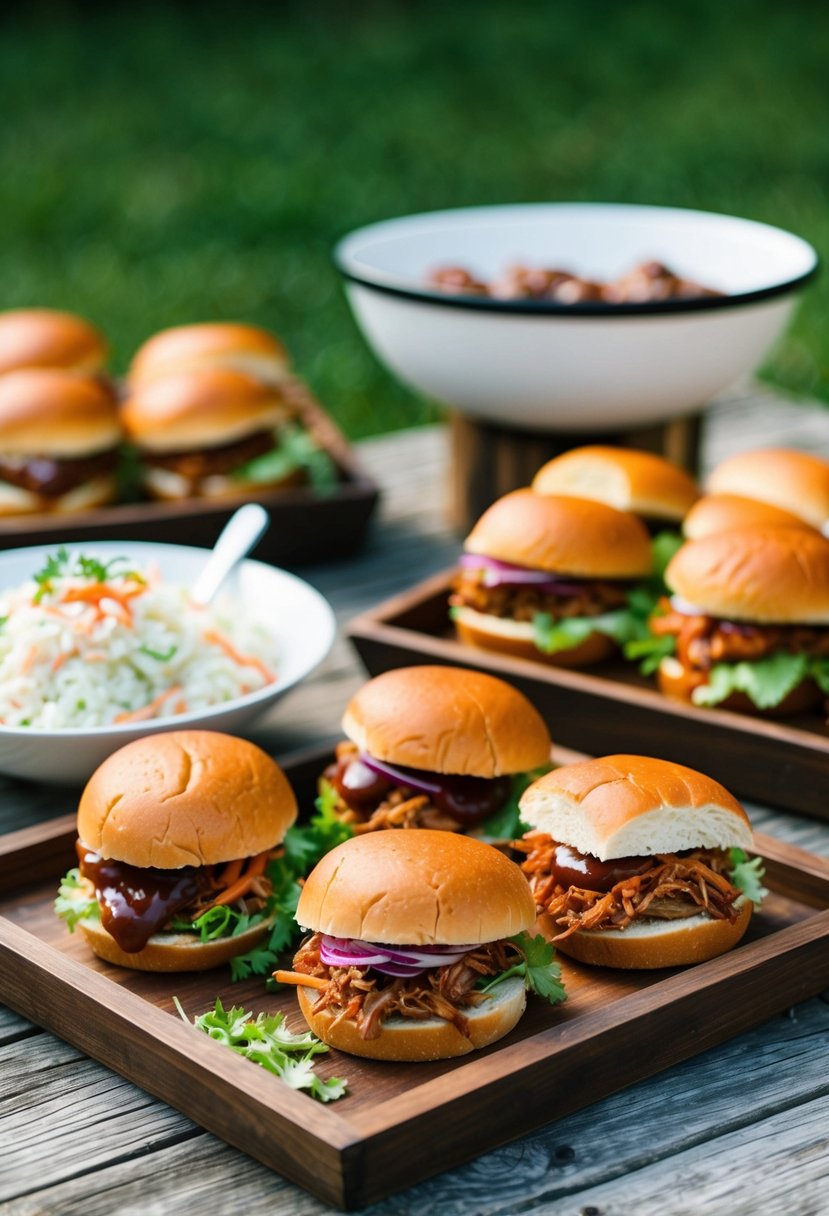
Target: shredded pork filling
{"x":674,"y":887}
{"x":702,"y":641}
{"x":369,"y":997}
{"x":397,"y":807}
{"x":523,"y":603}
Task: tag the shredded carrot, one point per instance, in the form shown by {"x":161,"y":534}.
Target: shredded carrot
{"x":301,"y":981}
{"x":214,"y":638}
{"x":232,"y":870}
{"x":29,"y":661}
{"x":147,"y":711}
{"x":95,"y":656}
{"x":241,"y":881}
{"x":63,"y":657}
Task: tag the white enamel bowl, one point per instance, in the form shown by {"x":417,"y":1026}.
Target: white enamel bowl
{"x":582,"y":367}
{"x":302,"y":618}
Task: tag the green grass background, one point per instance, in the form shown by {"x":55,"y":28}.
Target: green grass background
{"x":165,"y":164}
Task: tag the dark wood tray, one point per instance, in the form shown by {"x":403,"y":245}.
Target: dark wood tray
{"x":306,"y":526}
{"x":610,"y":708}
{"x":399,"y":1122}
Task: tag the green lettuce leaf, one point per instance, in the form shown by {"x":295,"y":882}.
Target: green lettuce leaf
{"x":71,"y":907}
{"x":765,"y":681}
{"x":506,"y":823}
{"x":663,"y":547}
{"x":650,"y":651}
{"x":747,"y":875}
{"x":296,"y":449}
{"x":819,"y":672}
{"x":267,"y":1042}
{"x":540,"y":973}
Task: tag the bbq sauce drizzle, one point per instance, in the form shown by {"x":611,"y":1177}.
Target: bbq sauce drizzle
{"x":135,"y":903}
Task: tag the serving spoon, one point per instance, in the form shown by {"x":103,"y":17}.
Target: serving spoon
{"x":236,"y":539}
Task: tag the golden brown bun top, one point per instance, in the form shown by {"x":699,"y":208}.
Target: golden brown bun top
{"x":563,"y":535}
{"x":416,"y":888}
{"x":44,"y":337}
{"x":763,"y":574}
{"x":210,"y":344}
{"x":48,"y":412}
{"x":796,"y":481}
{"x":186,"y":798}
{"x":628,"y":806}
{"x":721,"y":512}
{"x":447,"y":720}
{"x":202,"y":408}
{"x":625,"y":478}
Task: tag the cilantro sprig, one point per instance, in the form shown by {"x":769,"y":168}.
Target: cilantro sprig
{"x":296,"y":449}
{"x":540,"y":973}
{"x":64,"y":564}
{"x":74,"y":902}
{"x":506,"y":823}
{"x":267,"y":1041}
{"x":747,"y":875}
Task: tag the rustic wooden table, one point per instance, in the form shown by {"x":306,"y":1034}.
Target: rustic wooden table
{"x":742,"y":1127}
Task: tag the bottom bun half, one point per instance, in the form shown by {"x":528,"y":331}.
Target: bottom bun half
{"x":96,"y":493}
{"x":173,"y":951}
{"x":516,"y":638}
{"x":679,"y":683}
{"x":652,"y":944}
{"x":434,"y":1039}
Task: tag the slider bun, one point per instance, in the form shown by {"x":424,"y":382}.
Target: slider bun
{"x":721,"y":512}
{"x":563,"y":535}
{"x":679,"y":682}
{"x":96,"y":493}
{"x":416,"y":888}
{"x":185,"y":798}
{"x":56,"y":413}
{"x":796,"y":481}
{"x":631,"y":806}
{"x":168,"y":486}
{"x":44,"y":337}
{"x":649,"y":944}
{"x":629,"y":480}
{"x":244,"y":348}
{"x":432,"y":1039}
{"x":447,"y":720}
{"x":173,"y":951}
{"x":757,"y":573}
{"x":201,"y":408}
{"x":488,"y":632}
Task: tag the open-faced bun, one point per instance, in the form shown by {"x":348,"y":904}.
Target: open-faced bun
{"x":201,"y":408}
{"x":796,"y":481}
{"x":45,"y":337}
{"x":625,"y":478}
{"x":679,"y":683}
{"x":432,"y":1039}
{"x":416,"y":888}
{"x":650,"y":944}
{"x":186,"y":798}
{"x":721,"y":512}
{"x":757,"y":573}
{"x":173,"y":951}
{"x":574,"y":536}
{"x":50,"y":412}
{"x":244,"y":348}
{"x":488,"y":632}
{"x":447,"y":720}
{"x":631,"y":806}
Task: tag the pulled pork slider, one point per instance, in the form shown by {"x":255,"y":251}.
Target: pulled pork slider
{"x":175,"y":832}
{"x":410,"y":934}
{"x":210,"y":432}
{"x":720,"y":512}
{"x":638,"y":863}
{"x":58,"y":442}
{"x":435,"y":747}
{"x":796,"y":481}
{"x":243,"y":348}
{"x":548,"y":577}
{"x":44,"y":337}
{"x":643,"y":483}
{"x":745,"y":626}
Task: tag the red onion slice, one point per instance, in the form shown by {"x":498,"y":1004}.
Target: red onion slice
{"x":411,"y":778}
{"x":399,"y":961}
{"x":504,"y":574}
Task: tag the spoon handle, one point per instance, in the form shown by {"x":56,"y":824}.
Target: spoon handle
{"x":237,"y":538}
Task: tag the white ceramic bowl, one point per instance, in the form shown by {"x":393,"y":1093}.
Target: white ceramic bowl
{"x":572,"y":367}
{"x":302,"y":618}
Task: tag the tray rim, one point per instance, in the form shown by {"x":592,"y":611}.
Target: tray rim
{"x":284,"y":1124}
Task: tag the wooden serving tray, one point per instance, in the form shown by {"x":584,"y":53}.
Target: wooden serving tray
{"x":610,"y":708}
{"x":306,"y":525}
{"x":399,"y":1122}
